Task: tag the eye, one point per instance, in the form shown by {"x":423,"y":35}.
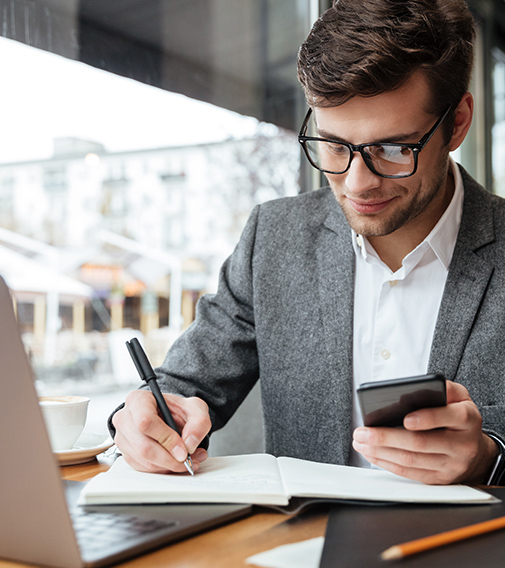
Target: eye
{"x":336,"y":149}
{"x":390,"y":153}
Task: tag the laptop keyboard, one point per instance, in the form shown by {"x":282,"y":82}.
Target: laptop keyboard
{"x":95,"y":530}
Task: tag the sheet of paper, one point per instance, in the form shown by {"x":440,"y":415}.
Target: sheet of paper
{"x":305,"y":554}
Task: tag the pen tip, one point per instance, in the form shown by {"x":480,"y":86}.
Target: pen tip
{"x":189,"y":466}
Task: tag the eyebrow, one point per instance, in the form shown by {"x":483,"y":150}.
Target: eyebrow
{"x":403,"y":137}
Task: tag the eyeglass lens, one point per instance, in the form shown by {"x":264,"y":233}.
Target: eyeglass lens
{"x":383,"y":159}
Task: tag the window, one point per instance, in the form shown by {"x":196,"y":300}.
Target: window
{"x":137,"y":141}
{"x":482,"y":152}
{"x":499,"y":125}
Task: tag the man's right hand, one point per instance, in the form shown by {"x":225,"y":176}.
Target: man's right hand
{"x":148,"y":444}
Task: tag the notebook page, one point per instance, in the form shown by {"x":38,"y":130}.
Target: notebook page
{"x":310,"y":479}
{"x":231,"y":479}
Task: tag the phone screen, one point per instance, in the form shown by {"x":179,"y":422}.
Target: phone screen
{"x":386,"y":403}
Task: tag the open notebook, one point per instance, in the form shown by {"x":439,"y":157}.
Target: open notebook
{"x":262,"y":479}
{"x":35,"y":511}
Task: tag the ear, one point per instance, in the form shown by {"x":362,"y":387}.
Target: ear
{"x":462,"y":121}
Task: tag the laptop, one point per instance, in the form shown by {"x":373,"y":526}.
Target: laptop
{"x":40,"y":522}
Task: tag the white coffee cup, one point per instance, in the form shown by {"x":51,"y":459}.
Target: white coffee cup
{"x":65,"y":417}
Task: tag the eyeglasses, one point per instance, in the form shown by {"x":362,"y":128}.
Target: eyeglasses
{"x":388,"y":160}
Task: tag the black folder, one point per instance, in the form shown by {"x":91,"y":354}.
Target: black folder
{"x":356,"y":535}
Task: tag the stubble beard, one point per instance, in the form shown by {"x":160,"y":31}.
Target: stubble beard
{"x":379,"y":225}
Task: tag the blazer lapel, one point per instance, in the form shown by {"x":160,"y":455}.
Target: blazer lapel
{"x":467,"y":281}
{"x":335,"y":262}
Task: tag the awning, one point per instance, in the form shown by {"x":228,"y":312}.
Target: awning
{"x":25,"y":275}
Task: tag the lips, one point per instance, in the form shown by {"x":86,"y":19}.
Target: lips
{"x":369,"y":207}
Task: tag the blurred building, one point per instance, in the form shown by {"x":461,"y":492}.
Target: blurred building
{"x":145,"y":231}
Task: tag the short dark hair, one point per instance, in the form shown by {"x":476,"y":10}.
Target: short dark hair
{"x":368,"y":47}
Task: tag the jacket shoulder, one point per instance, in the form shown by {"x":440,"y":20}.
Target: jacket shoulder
{"x":479,"y":202}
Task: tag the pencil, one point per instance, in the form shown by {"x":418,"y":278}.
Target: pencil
{"x":429,"y":542}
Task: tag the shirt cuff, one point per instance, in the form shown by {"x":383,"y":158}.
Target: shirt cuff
{"x":497,"y":476}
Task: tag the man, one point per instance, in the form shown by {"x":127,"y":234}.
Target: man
{"x":395,"y":270}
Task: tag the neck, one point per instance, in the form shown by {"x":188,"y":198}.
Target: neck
{"x":393,"y":248}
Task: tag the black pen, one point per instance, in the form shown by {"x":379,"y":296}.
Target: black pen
{"x":147,"y":374}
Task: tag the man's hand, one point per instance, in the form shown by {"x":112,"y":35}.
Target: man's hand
{"x":438,"y":445}
{"x":148,"y":444}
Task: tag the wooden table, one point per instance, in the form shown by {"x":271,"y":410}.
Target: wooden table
{"x":225,"y":547}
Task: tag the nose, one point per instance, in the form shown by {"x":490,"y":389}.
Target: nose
{"x":359,"y":177}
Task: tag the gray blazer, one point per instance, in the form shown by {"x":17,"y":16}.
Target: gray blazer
{"x":284,"y":313}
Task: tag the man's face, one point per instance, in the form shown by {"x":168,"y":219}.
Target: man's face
{"x":376,"y":206}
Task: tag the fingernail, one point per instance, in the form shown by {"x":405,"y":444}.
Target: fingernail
{"x":411,"y":421}
{"x":180,"y":453}
{"x":191,"y":444}
{"x":361,"y":435}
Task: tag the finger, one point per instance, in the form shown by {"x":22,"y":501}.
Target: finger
{"x":153,"y":458}
{"x":443,"y":442}
{"x":140,"y":451}
{"x":430,"y":467}
{"x":145,"y":459}
{"x":140,"y":433}
{"x":404,"y":455}
{"x":439,"y":417}
{"x":456,"y":392}
{"x":147,"y":464}
{"x":199,"y":456}
{"x":149,"y":423}
{"x":193,"y":415}
{"x":430,"y":476}
{"x":462,"y":415}
{"x":460,"y":412}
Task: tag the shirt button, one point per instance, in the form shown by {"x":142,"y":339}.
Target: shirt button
{"x":385,"y":354}
{"x":393,"y":283}
{"x":359,"y":240}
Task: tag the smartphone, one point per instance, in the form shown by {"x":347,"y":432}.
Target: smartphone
{"x":386,"y":403}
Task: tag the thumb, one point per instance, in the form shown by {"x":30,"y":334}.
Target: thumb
{"x":456,"y":392}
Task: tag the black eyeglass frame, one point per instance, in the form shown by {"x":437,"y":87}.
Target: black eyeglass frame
{"x":416,"y":148}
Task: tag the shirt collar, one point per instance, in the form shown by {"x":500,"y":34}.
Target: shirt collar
{"x":442,"y":238}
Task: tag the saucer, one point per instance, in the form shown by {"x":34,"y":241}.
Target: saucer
{"x":87,"y":447}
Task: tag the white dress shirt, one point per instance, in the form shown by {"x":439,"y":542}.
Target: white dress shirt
{"x":395,"y":313}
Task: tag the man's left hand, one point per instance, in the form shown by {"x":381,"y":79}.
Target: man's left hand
{"x":438,"y":446}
